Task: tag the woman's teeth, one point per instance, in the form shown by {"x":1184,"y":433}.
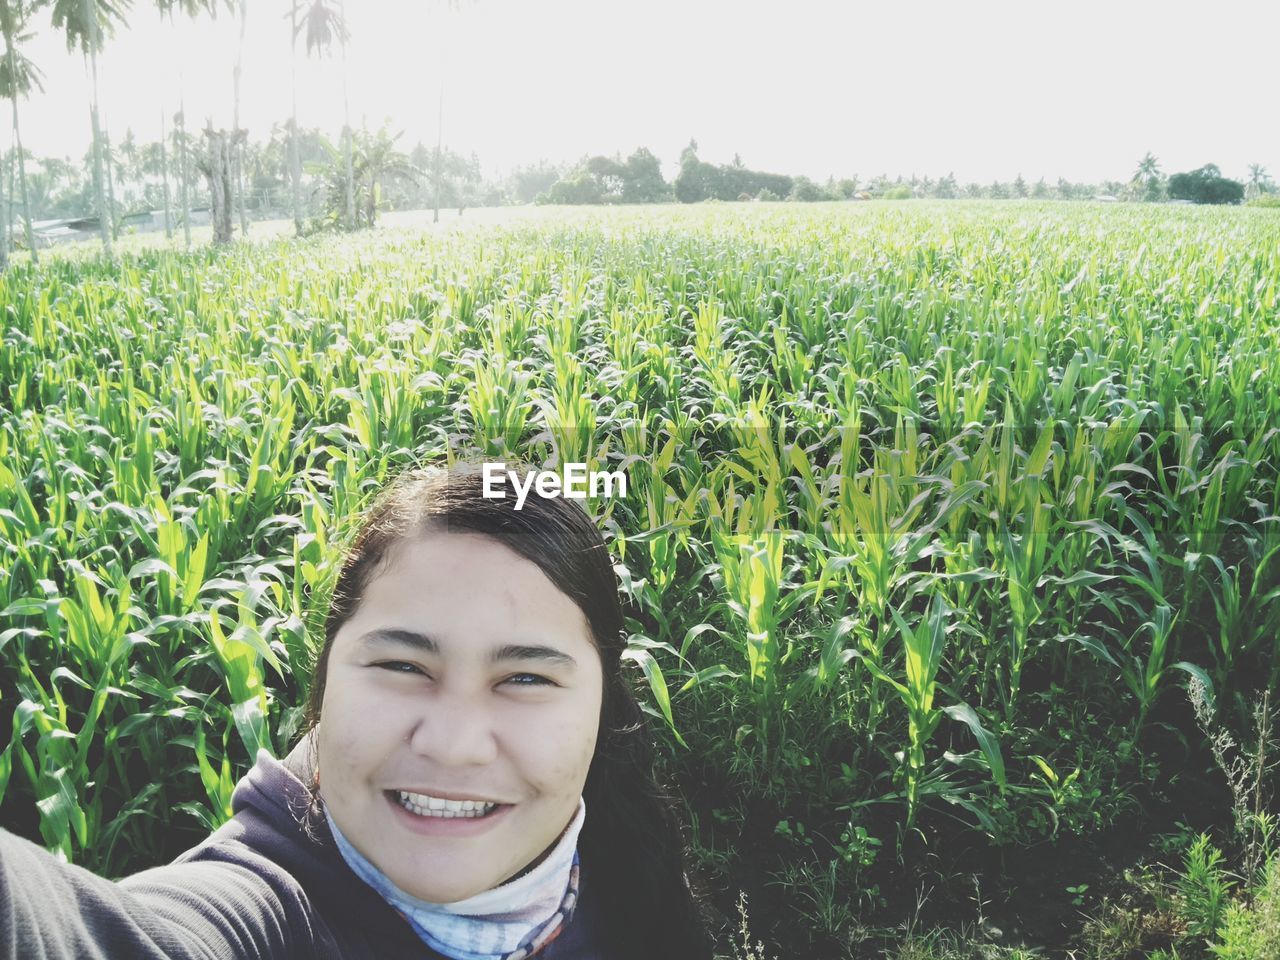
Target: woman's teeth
{"x":425,"y":806}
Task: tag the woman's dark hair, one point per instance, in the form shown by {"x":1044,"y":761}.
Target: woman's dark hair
{"x":630,"y":845}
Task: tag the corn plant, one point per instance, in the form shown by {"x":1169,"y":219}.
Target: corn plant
{"x":1046,"y":444}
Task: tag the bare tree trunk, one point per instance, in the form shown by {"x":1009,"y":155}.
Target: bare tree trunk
{"x":218,"y":167}
{"x":10,"y":174}
{"x":99,"y":190}
{"x":4,"y":227}
{"x":111,"y":187}
{"x":295,"y":176}
{"x":239,"y":152}
{"x":346,"y":148}
{"x":164,"y":177}
{"x":183,"y":173}
{"x":22,"y":168}
{"x":435,"y":216}
{"x":237,"y":181}
{"x":350,"y":189}
{"x":91,"y":18}
{"x":295,"y":154}
{"x":99,"y":185}
{"x":22,"y":179}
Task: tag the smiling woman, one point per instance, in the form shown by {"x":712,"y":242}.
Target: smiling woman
{"x":462,"y":723}
{"x":474,"y":782}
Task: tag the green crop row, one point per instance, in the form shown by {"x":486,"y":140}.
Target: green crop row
{"x":902,"y":484}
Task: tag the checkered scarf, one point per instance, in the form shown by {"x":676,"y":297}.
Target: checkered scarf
{"x":512,"y":921}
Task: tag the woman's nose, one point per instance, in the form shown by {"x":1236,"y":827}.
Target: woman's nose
{"x":454,"y":730}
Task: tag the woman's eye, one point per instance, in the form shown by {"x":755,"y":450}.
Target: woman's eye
{"x":529,"y":680}
{"x":398,"y":666}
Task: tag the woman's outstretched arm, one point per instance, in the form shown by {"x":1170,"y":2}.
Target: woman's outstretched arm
{"x":202,"y":910}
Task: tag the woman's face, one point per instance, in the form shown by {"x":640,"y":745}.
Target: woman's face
{"x":464,"y":675}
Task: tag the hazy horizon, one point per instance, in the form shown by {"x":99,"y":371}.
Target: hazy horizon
{"x":986,"y":92}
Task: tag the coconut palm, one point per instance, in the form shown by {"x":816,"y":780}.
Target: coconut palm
{"x":379,"y":161}
{"x":450,"y":5}
{"x":295,"y":160}
{"x":1148,"y":169}
{"x":18,"y":75}
{"x":375,"y":161}
{"x":87,"y":24}
{"x":182,"y":152}
{"x":154,"y":162}
{"x":238,"y":159}
{"x":1259,"y":180}
{"x":324,"y":23}
{"x":129,"y":157}
{"x":1147,"y":178}
{"x":191,"y":9}
{"x":112,"y":164}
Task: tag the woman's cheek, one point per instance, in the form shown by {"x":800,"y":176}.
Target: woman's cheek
{"x":345,"y":736}
{"x":577,"y":741}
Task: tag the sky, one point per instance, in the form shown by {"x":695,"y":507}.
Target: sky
{"x":983,"y":89}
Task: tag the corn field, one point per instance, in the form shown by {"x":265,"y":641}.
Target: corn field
{"x":933,"y":510}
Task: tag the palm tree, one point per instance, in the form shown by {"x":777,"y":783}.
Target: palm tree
{"x":1259,"y":180}
{"x":295,"y":160}
{"x":18,"y":75}
{"x":1148,"y":169}
{"x":380,"y":160}
{"x":130,"y":173}
{"x":192,"y":9}
{"x":451,"y":5}
{"x":182,"y":149}
{"x":435,"y":173}
{"x":164,"y":179}
{"x":87,"y":23}
{"x":40,"y":188}
{"x":153,"y":162}
{"x":1147,"y":177}
{"x":235,"y":123}
{"x":112,"y":166}
{"x":324,"y":23}
{"x":347,"y":146}
{"x":376,"y":160}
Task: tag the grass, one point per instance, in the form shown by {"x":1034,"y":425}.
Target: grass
{"x":931,"y":508}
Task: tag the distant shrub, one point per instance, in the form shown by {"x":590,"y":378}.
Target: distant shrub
{"x":897,"y":193}
{"x":1205,"y":185}
{"x":806,"y":191}
{"x":1271,"y":200}
{"x":580,"y":189}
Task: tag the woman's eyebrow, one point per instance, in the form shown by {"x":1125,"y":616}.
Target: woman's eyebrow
{"x":427,"y":644}
{"x":388,"y":636}
{"x":521,"y":651}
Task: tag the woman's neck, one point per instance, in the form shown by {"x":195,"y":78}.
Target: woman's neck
{"x":534,"y":904}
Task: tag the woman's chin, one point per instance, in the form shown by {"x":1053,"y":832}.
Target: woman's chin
{"x":449,"y":894}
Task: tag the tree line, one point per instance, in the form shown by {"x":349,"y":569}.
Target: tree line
{"x":148,"y":176}
{"x":348,"y":184}
{"x":301,"y":174}
{"x":216,"y":159}
{"x":638,"y":179}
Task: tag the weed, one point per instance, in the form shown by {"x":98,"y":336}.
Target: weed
{"x":1246,"y":770}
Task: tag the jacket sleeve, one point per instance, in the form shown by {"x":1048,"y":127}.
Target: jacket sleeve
{"x":207,"y":909}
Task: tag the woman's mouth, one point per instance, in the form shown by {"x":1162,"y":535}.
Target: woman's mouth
{"x":425,"y":805}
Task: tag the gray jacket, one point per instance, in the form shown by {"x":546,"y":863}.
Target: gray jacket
{"x":269,"y":883}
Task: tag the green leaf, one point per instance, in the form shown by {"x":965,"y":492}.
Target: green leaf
{"x":657,"y":685}
{"x":1200,"y":674}
{"x":990,"y":746}
{"x":692,"y":634}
